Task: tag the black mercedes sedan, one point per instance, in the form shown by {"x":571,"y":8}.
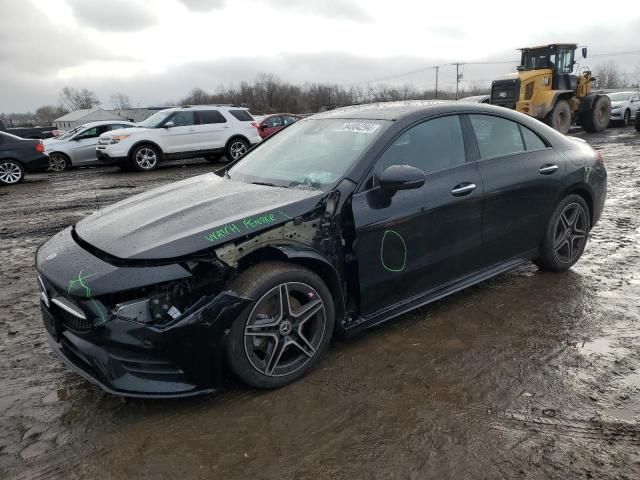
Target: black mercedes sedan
{"x":20,"y":155}
{"x":341,"y":221}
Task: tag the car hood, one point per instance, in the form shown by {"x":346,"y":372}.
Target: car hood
{"x":190,"y":216}
{"x":616,"y":104}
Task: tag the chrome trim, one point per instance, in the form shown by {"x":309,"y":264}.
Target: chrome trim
{"x":465,"y":189}
{"x":69,"y":308}
{"x":548,"y":168}
{"x":44,"y":296}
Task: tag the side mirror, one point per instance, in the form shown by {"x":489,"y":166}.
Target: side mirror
{"x":401,"y":177}
{"x":584,"y":52}
{"x":168,"y":125}
{"x":263,"y":127}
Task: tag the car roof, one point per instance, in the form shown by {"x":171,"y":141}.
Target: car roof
{"x":209,"y":107}
{"x":105,"y":122}
{"x":399,"y":110}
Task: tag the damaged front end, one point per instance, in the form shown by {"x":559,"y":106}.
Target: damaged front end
{"x":149,"y":330}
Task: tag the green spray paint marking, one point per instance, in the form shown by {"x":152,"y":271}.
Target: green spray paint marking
{"x":246,"y":225}
{"x":80,"y":281}
{"x":404,"y":251}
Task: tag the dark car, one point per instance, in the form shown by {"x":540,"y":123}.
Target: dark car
{"x":273,"y":123}
{"x":341,"y":221}
{"x":38,"y":133}
{"x":20,"y":155}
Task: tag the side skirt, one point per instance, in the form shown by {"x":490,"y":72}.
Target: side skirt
{"x":430,"y":296}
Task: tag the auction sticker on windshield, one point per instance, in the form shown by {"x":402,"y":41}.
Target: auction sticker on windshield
{"x":358,"y":127}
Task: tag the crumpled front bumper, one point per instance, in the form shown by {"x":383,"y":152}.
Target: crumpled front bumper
{"x":135,"y":360}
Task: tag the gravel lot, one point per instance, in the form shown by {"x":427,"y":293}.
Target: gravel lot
{"x":528,"y":375}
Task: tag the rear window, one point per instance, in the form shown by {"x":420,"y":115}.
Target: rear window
{"x":211,"y":116}
{"x":242,"y":115}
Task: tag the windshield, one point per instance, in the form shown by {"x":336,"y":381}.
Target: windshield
{"x":619,"y":97}
{"x":155,"y":120}
{"x":311,"y":153}
{"x":70,"y":133}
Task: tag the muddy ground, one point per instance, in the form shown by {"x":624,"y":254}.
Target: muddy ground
{"x":529,"y":375}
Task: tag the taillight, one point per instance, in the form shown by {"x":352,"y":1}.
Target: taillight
{"x":599,"y":158}
{"x":40,"y":147}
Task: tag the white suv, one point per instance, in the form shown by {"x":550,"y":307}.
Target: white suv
{"x":209,"y":131}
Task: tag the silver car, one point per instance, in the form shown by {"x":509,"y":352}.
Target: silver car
{"x":77,"y":147}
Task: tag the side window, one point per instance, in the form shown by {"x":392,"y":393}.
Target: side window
{"x":430,"y":146}
{"x":565,"y":61}
{"x":288,"y":120}
{"x":207,"y":117}
{"x":91,"y":133}
{"x":496,"y":136}
{"x":531,"y":140}
{"x":182,"y":119}
{"x":274,"y":122}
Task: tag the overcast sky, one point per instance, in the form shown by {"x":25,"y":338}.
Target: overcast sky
{"x":158,"y":50}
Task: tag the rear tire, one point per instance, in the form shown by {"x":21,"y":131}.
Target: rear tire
{"x":273,"y":342}
{"x":597,"y":118}
{"x":145,"y":158}
{"x":559,"y":118}
{"x":236,"y":149}
{"x":565,"y":236}
{"x":59,"y":162}
{"x":11,"y":172}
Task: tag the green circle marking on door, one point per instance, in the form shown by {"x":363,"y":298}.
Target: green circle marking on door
{"x":393,"y":251}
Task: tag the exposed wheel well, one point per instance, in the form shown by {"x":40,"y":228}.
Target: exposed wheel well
{"x":323,"y":270}
{"x":62,"y":154}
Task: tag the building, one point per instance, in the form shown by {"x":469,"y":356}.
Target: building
{"x":78,"y":117}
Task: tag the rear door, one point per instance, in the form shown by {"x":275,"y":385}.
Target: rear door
{"x":182,"y":136}
{"x":522,"y":178}
{"x":422,"y":239}
{"x":212,"y":131}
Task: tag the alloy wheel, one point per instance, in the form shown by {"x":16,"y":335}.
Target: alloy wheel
{"x":284,"y":329}
{"x":146,"y":158}
{"x":57,"y":163}
{"x":237,"y":149}
{"x":10,"y":173}
{"x":570,"y":234}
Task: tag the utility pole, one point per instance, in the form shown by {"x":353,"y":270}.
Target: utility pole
{"x":458,"y":77}
{"x":437,"y":68}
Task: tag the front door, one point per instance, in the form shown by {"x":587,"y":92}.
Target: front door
{"x":419,"y":240}
{"x":182,"y":136}
{"x":84,"y":145}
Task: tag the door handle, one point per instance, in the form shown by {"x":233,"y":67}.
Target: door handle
{"x":548,"y":169}
{"x":463,"y":189}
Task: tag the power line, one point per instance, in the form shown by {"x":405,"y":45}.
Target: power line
{"x":488,"y":62}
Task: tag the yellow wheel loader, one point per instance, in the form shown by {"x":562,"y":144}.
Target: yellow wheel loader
{"x":546,"y":88}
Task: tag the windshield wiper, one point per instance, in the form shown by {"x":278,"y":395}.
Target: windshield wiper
{"x":264,"y":183}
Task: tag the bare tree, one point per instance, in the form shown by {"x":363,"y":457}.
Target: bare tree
{"x":77,"y":99}
{"x":48,"y":113}
{"x":197,"y":97}
{"x":120,"y":101}
{"x":608,"y":76}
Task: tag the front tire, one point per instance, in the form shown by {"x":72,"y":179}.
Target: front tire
{"x":145,"y":158}
{"x":11,"y":172}
{"x":282,"y":334}
{"x":59,"y":162}
{"x":560,"y":117}
{"x":597,"y":118}
{"x":627,"y":118}
{"x":566,"y":235}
